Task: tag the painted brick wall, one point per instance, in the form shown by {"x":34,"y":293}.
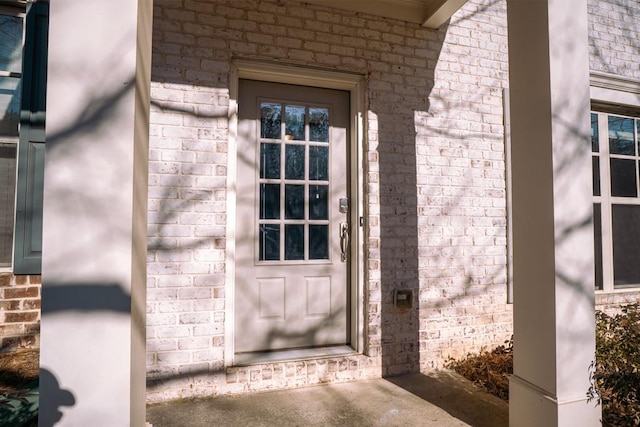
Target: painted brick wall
{"x":19,"y":311}
{"x":610,"y":303}
{"x":461,"y":190}
{"x":434,"y":184}
{"x":614,"y":30}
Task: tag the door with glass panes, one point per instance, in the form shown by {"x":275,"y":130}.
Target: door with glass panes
{"x":292,"y":221}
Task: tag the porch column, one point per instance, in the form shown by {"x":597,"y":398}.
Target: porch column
{"x":554,"y":326}
{"x":94,"y":226}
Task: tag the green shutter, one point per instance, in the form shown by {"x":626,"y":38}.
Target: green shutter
{"x":28,"y":233}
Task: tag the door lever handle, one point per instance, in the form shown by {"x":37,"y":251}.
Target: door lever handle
{"x":344,"y":241}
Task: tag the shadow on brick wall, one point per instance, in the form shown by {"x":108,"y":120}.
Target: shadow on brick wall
{"x":396,"y":115}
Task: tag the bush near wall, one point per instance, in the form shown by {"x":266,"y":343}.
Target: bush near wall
{"x":489,"y":370}
{"x":615,"y":373}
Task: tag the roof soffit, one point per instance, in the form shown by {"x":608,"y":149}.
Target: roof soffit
{"x":429,"y":13}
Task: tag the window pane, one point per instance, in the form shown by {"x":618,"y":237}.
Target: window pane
{"x":294,"y":166}
{"x":7,"y":200}
{"x":319,"y":124}
{"x":270,"y":120}
{"x":623,"y":178}
{"x":597,"y":242}
{"x":595,"y":172}
{"x":294,"y":201}
{"x":269,"y":242}
{"x":318,"y":163}
{"x":294,"y":127}
{"x":269,"y":201}
{"x":269,"y":161}
{"x":11,"y":46}
{"x":318,"y":242}
{"x":9,"y":106}
{"x":621,"y":137}
{"x":638,"y":134}
{"x":595,"y":146}
{"x":626,"y":244}
{"x":318,"y":202}
{"x":10,"y":60}
{"x":294,"y":242}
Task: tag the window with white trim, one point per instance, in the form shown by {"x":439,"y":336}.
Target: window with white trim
{"x":23,"y":78}
{"x":11,"y":37}
{"x":615,"y":150}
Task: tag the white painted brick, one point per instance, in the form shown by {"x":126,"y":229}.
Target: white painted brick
{"x":193,"y":343}
{"x":194,"y":318}
{"x":156,"y":294}
{"x":195,"y":293}
{"x":400,"y":61}
{"x":162,"y":345}
{"x":172,"y":331}
{"x":172,"y":357}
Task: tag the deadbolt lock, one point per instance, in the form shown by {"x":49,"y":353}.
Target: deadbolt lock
{"x":344,"y":205}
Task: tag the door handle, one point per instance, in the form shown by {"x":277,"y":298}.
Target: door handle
{"x":344,"y":241}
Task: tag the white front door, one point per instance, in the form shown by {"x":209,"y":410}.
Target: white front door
{"x":292,"y":217}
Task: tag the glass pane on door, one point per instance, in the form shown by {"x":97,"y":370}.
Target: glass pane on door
{"x":295,"y":117}
{"x":294,"y":242}
{"x":269,"y":161}
{"x":270,"y":120}
{"x":269,"y":201}
{"x":294,"y":162}
{"x":269,"y":242}
{"x":318,"y":242}
{"x":294,"y":202}
{"x":318,"y":163}
{"x":293,"y":183}
{"x":319,"y":124}
{"x":318,"y":202}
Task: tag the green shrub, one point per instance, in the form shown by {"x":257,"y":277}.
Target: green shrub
{"x":616,"y":372}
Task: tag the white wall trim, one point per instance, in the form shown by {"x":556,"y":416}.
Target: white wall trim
{"x":614,"y":89}
{"x":296,"y":74}
{"x":230,"y":244}
{"x":507,"y":157}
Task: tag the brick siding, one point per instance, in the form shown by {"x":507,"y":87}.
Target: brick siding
{"x":19,"y":311}
{"x":614,"y":37}
{"x":434,"y":185}
{"x":610,"y":303}
{"x":434,"y":180}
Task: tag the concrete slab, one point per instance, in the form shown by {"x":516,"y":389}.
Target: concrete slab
{"x":441,"y":398}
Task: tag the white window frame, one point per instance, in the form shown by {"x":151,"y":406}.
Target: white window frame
{"x":619,"y":96}
{"x":17,"y":11}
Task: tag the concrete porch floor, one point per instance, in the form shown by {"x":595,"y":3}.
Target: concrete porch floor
{"x":441,"y":398}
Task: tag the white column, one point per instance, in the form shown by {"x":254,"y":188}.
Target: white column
{"x":554,"y":326}
{"x":94,"y":228}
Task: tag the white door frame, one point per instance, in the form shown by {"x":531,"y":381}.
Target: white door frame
{"x":304,"y":76}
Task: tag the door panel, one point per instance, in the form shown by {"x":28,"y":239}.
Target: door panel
{"x":291,"y":275}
